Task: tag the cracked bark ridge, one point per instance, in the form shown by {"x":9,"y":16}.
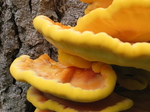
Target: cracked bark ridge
{"x":18,"y":37}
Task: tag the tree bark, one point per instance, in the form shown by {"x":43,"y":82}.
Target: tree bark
{"x":18,"y":37}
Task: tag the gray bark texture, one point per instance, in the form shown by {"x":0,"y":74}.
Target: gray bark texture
{"x":18,"y":37}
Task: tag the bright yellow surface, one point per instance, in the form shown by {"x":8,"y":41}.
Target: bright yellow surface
{"x":82,"y":85}
{"x":72,"y":60}
{"x":38,"y":110}
{"x":126,"y":20}
{"x":113,"y":103}
{"x":94,"y":47}
{"x":93,"y":4}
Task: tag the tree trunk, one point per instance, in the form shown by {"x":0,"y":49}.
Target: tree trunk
{"x":18,"y":37}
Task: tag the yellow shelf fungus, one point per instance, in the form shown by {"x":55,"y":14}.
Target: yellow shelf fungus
{"x":93,"y":45}
{"x":72,"y":60}
{"x":93,"y":4}
{"x":76,"y":84}
{"x":123,"y":19}
{"x":39,"y":110}
{"x":115,"y":32}
{"x":44,"y":101}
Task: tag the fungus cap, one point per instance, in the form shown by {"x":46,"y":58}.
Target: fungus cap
{"x":94,"y":46}
{"x":44,"y":101}
{"x":77,"y":84}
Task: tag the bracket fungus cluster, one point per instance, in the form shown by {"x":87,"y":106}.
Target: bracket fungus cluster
{"x":109,"y":45}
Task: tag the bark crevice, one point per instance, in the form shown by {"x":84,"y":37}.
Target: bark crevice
{"x":18,"y":37}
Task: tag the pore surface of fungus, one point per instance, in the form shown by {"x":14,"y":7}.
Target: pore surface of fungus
{"x":44,"y":101}
{"x":77,"y":84}
{"x":93,"y":45}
